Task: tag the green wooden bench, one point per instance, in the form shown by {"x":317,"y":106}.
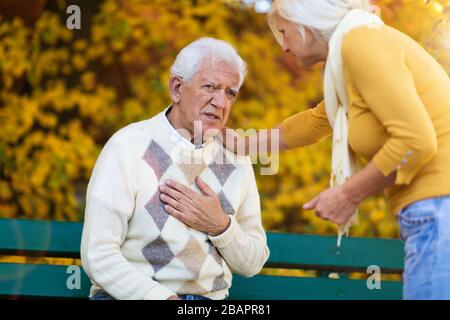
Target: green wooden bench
{"x":289,"y":251}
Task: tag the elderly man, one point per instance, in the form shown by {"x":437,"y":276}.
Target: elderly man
{"x":168,"y":214}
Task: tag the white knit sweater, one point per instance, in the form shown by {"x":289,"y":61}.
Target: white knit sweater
{"x":132,"y":249}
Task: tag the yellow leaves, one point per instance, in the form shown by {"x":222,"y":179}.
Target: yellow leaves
{"x":272,"y":216}
{"x":80,"y":45}
{"x":377,"y":216}
{"x":48,"y":63}
{"x":96,"y":105}
{"x":88,"y":80}
{"x":25,"y":204}
{"x":5,"y":191}
{"x":78,"y":62}
{"x":16,"y":116}
{"x":82,"y":90}
{"x":41,"y":208}
{"x":55,"y":96}
{"x":13,"y":52}
{"x":134,"y":110}
{"x":50,"y":29}
{"x":33,"y":206}
{"x":47,"y":120}
{"x":137,"y":34}
{"x":118,"y":45}
{"x":40,"y":174}
{"x":8,"y":210}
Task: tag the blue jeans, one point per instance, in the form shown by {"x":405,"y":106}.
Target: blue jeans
{"x":104,"y":296}
{"x":425,"y":228}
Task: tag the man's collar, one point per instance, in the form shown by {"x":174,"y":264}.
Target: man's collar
{"x":176,"y":136}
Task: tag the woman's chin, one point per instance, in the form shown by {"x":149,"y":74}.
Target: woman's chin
{"x":302,"y":64}
{"x":307,"y":62}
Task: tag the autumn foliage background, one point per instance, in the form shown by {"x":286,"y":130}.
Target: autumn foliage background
{"x":63,"y":93}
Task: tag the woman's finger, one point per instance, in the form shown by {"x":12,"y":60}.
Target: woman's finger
{"x":311,"y":204}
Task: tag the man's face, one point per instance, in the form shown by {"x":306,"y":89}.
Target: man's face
{"x":209,"y":95}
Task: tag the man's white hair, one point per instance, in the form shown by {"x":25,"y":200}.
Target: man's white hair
{"x":190,"y":58}
{"x":320,"y":16}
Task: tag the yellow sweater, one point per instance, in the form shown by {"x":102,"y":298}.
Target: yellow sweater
{"x":399,"y":113}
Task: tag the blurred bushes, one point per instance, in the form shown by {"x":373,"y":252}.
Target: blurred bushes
{"x":62,"y":96}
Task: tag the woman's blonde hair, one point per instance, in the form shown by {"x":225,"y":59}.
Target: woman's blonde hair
{"x":320,"y":16}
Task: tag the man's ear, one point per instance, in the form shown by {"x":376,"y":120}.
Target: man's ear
{"x":175,"y":85}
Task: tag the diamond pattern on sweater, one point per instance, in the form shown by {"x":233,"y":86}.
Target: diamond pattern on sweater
{"x":191,"y":171}
{"x":226,"y":205}
{"x":164,"y":253}
{"x":158,"y":253}
{"x":219,"y":283}
{"x":214,"y":253}
{"x":192,"y":287}
{"x":155,"y":207}
{"x":221,"y":167}
{"x":157,"y":159}
{"x":193,"y":257}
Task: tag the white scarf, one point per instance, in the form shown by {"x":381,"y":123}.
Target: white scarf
{"x":336,"y":103}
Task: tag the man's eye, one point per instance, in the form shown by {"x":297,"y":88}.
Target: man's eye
{"x":208,"y":87}
{"x":231,"y":95}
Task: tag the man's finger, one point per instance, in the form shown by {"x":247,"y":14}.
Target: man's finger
{"x":188,"y":192}
{"x":204,"y":187}
{"x":177,"y":214}
{"x":173,"y":193}
{"x":172,"y":202}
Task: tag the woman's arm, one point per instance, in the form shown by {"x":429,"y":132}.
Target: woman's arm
{"x":301,"y":129}
{"x":367,"y":182}
{"x":261,"y":142}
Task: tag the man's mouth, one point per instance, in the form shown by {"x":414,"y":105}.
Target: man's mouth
{"x":212,"y":116}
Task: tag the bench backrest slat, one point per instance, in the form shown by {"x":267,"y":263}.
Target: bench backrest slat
{"x":40,"y":237}
{"x":355,"y":254}
{"x":53,"y":238}
{"x":37,"y":280}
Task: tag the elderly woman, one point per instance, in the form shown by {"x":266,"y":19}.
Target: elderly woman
{"x":387,"y":100}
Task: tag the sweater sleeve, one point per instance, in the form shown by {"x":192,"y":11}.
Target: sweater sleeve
{"x":379,"y":72}
{"x":306,"y":127}
{"x":244,"y":244}
{"x":110,"y":204}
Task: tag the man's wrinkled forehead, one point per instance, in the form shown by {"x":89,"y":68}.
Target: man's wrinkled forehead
{"x":219,"y":73}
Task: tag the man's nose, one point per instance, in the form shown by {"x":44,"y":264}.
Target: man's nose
{"x":219,"y":99}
